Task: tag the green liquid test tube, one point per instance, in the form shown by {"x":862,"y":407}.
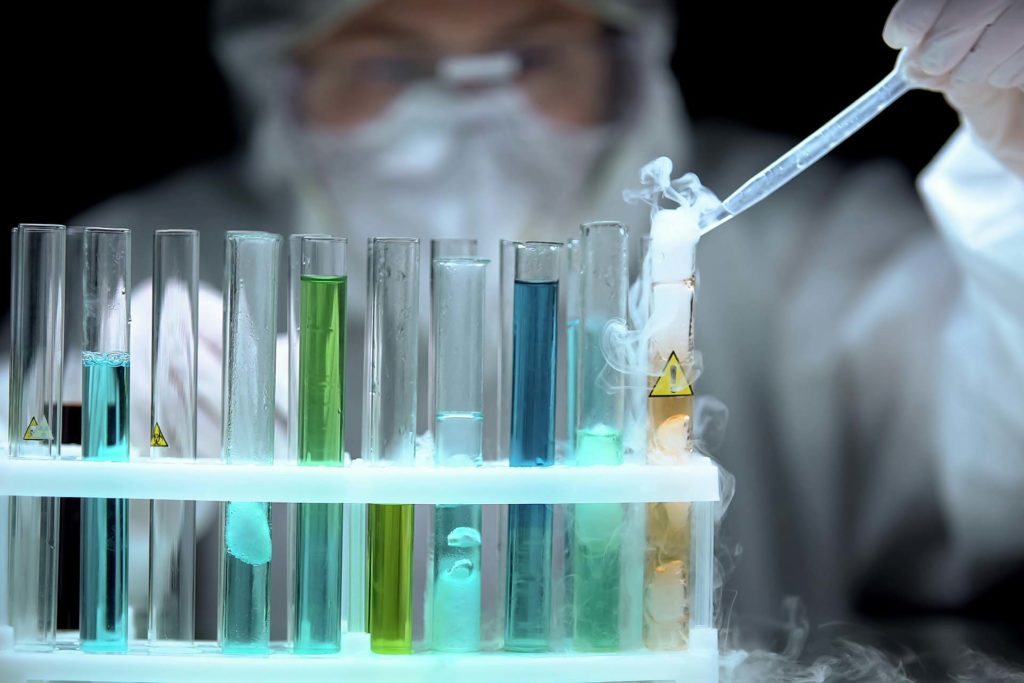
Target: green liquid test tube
{"x":319,"y":274}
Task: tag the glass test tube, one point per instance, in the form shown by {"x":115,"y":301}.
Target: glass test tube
{"x":597,"y":528}
{"x":320,"y":275}
{"x":670,"y":435}
{"x":532,"y":439}
{"x":389,"y":432}
{"x":172,"y":523}
{"x":459,"y":286}
{"x":34,"y":424}
{"x":103,"y":612}
{"x":447,"y":247}
{"x":506,"y":294}
{"x":571,"y":282}
{"x":250,"y":324}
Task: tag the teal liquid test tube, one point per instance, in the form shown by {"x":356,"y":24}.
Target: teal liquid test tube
{"x":571,"y":284}
{"x":389,"y":433}
{"x":532,"y":443}
{"x":319,"y":280}
{"x":106,"y":364}
{"x":247,"y":433}
{"x":598,"y":528}
{"x":457,"y":321}
{"x":34,"y":427}
{"x":172,"y":523}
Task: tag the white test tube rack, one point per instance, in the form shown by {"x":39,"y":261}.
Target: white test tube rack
{"x":494,"y":483}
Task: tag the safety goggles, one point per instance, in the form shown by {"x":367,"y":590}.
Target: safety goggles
{"x":569,"y":80}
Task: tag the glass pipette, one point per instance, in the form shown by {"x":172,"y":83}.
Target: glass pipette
{"x":813,"y":148}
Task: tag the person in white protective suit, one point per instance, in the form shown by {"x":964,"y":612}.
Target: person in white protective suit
{"x":870,"y":347}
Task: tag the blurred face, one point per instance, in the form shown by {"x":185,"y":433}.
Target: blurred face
{"x":556,"y":49}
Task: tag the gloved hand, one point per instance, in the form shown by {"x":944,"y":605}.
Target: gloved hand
{"x":973,"y":52}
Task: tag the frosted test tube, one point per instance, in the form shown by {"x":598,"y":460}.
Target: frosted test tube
{"x":250,"y":325}
{"x":172,"y":523}
{"x":389,"y":432}
{"x":34,"y":426}
{"x":667,"y":572}
{"x":103,"y":612}
{"x":320,"y":275}
{"x":532,"y":440}
{"x":459,"y":286}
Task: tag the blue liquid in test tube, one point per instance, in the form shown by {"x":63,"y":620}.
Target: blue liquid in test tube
{"x":535,"y":325}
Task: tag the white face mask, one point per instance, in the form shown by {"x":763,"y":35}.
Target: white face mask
{"x":445,"y":164}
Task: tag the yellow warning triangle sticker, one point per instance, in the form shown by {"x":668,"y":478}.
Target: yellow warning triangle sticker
{"x":37,"y":431}
{"x":157,"y":440}
{"x":672,"y":381}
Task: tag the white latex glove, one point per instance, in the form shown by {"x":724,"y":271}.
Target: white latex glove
{"x":972,"y":51}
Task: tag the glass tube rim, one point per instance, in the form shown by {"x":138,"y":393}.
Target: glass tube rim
{"x":392,"y":240}
{"x":176,"y":232}
{"x":317,"y":237}
{"x":39,"y":227}
{"x":602,"y":225}
{"x":97,"y":230}
{"x":252,"y":236}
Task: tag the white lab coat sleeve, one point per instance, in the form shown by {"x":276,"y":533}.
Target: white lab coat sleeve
{"x":978,"y":206}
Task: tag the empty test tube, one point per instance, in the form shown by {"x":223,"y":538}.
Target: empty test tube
{"x":250,"y":324}
{"x":103,"y":613}
{"x":670,"y":435}
{"x":389,"y":432}
{"x":446,"y":247}
{"x":319,"y":286}
{"x":571,"y":284}
{"x":458,"y":286}
{"x":506,"y":294}
{"x":34,"y":426}
{"x":172,"y":523}
{"x":532,"y":439}
{"x":597,"y":528}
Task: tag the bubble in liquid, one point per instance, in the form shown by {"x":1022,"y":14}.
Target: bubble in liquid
{"x":461,"y":569}
{"x":463,"y":537}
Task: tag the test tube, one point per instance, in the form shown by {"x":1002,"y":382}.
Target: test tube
{"x":34,"y":426}
{"x":506,"y":294}
{"x":172,"y":523}
{"x":532,"y":439}
{"x":446,"y":247}
{"x":669,"y":441}
{"x":458,"y":332}
{"x":319,"y":275}
{"x":389,"y":432}
{"x":103,"y":612}
{"x":597,"y":528}
{"x":247,"y":431}
{"x":573,"y":254}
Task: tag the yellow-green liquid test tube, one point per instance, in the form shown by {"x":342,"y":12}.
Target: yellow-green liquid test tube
{"x":389,"y":433}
